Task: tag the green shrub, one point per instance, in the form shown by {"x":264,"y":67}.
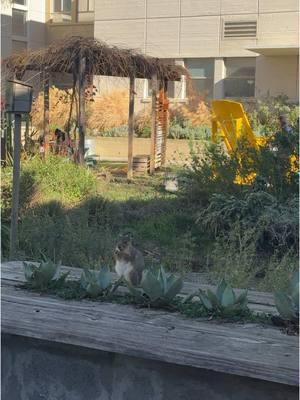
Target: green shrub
{"x":265,"y":113}
{"x":57,"y":177}
{"x":82,"y":235}
{"x":271,"y":226}
{"x":185,"y":130}
{"x":5,"y":232}
{"x":274,"y":166}
{"x":116,"y":131}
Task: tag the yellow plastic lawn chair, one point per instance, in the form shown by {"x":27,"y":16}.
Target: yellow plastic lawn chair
{"x":230,"y":123}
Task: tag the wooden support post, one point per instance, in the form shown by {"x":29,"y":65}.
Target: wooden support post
{"x":166,"y":122}
{"x":130,"y":128}
{"x":153,"y":124}
{"x":46,"y":107}
{"x":16,"y":188}
{"x":81,"y":107}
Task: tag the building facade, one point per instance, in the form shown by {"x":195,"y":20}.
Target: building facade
{"x":232,"y":48}
{"x":242,"y":49}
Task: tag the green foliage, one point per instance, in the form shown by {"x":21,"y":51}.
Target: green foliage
{"x":5,"y":232}
{"x":270,"y":225}
{"x":96,"y":283}
{"x":115,"y":131}
{"x":44,"y":275}
{"x":287,"y":303}
{"x":78,"y":236}
{"x":185,"y":130}
{"x":58,"y":177}
{"x":224,"y":301}
{"x":159,"y":287}
{"x":265,"y":113}
{"x":211,"y":171}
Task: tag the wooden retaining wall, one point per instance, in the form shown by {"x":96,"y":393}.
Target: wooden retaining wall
{"x":242,"y":350}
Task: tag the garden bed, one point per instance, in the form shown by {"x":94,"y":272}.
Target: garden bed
{"x":121,"y":343}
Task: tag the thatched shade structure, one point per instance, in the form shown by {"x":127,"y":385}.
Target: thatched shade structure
{"x":84,"y":57}
{"x":101,"y":59}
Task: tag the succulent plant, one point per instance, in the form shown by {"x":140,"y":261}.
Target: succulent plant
{"x":224,"y":301}
{"x":159,"y":287}
{"x":96,"y":283}
{"x":287,"y":303}
{"x":44,"y":275}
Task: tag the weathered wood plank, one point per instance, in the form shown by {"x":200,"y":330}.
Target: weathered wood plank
{"x":258,"y":301}
{"x":246,"y":350}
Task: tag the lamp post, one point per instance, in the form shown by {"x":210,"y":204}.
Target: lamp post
{"x":19,"y":101}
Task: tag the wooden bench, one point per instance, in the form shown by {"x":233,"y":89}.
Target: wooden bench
{"x":238,"y":350}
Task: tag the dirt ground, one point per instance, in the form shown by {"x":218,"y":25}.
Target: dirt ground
{"x":116,"y":149}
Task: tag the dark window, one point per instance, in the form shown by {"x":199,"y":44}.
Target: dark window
{"x":240,"y":77}
{"x":19,"y":22}
{"x":202,"y":76}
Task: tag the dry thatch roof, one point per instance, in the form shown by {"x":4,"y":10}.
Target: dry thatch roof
{"x":101,"y":59}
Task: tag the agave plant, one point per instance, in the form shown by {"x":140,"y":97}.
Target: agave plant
{"x":159,"y":288}
{"x":44,"y":275}
{"x":287,"y":303}
{"x":224,"y":301}
{"x":96,"y":283}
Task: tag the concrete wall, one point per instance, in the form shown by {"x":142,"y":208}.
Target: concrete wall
{"x":277,"y":75}
{"x":37,"y":370}
{"x":60,"y":31}
{"x":35,"y":26}
{"x":193,"y":28}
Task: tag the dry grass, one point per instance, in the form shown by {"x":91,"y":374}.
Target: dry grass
{"x":197,"y":112}
{"x":59,"y":107}
{"x":109,"y":111}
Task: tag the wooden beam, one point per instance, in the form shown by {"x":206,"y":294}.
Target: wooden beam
{"x":46,"y":131}
{"x":15,"y":189}
{"x":166,"y":122}
{"x":130,"y":128}
{"x":153,"y":123}
{"x":81,"y":107}
{"x":250,"y":350}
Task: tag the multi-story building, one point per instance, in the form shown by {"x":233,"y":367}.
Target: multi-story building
{"x":233,"y":48}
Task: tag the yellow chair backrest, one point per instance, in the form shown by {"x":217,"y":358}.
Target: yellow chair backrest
{"x":230,"y":122}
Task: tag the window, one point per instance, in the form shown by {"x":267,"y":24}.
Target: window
{"x":61,"y":10}
{"x":21,"y":2}
{"x":85,"y":10}
{"x":85,"y":5}
{"x":240,"y":77}
{"x":19,"y":22}
{"x":239,"y":29}
{"x":18,"y":46}
{"x":63,"y":6}
{"x":202,"y":74}
{"x":148,"y":89}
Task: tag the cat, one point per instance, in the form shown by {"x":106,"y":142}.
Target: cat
{"x":129,"y":261}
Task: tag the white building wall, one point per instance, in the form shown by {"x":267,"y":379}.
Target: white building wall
{"x":182,"y":29}
{"x":277,"y":75}
{"x":36,"y":17}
